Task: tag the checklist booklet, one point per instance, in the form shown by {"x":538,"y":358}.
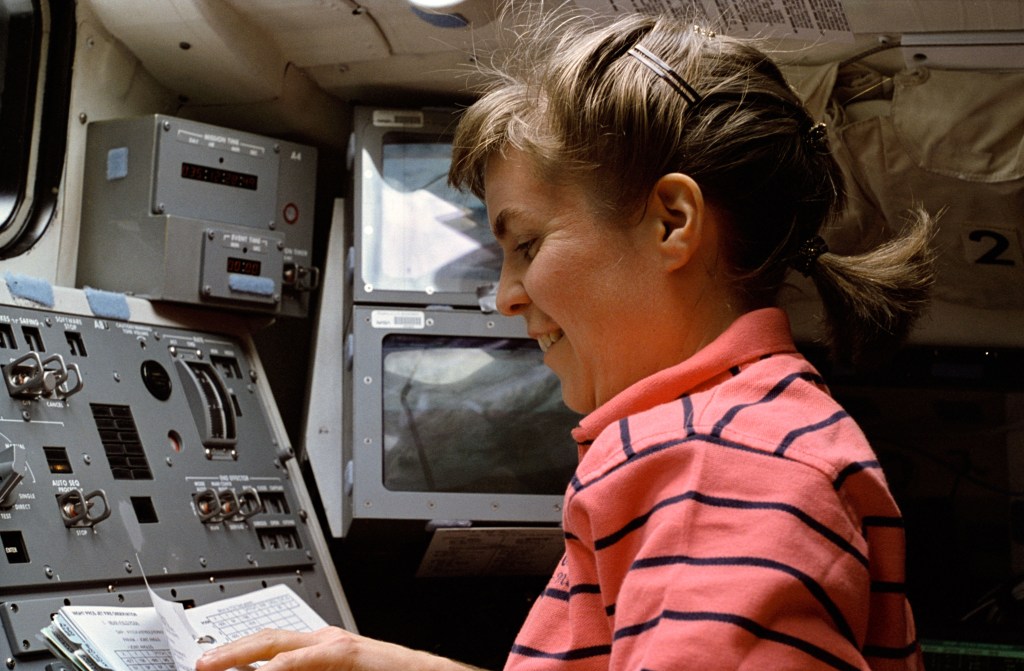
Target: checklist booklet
{"x":167,"y":636}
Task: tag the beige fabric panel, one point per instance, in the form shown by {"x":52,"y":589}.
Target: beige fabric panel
{"x":954,"y":142}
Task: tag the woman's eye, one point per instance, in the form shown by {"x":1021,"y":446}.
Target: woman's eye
{"x":527,"y":248}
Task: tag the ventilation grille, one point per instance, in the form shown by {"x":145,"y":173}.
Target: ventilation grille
{"x":121,"y":442}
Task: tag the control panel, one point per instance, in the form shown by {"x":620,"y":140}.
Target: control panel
{"x":142,"y":448}
{"x":183,"y":211}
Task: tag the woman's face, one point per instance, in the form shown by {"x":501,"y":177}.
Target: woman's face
{"x":586,"y":288}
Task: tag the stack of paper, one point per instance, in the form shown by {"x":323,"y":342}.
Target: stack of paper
{"x":166,"y":636}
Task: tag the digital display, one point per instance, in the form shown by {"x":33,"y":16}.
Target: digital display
{"x":203,"y":173}
{"x":243,"y":266}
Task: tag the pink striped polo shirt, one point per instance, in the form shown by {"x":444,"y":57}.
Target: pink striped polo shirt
{"x":726,"y":513}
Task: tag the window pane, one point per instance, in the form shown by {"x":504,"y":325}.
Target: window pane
{"x":33,"y":117}
{"x":19,"y":61}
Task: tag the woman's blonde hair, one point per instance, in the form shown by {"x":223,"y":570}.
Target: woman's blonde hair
{"x":602,"y":107}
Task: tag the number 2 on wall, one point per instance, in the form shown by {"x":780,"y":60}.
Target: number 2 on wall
{"x":992,"y":247}
{"x":1000,"y":243}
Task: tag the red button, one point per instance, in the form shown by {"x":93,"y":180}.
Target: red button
{"x":291,"y":213}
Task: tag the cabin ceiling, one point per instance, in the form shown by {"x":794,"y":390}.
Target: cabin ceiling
{"x":243,"y":51}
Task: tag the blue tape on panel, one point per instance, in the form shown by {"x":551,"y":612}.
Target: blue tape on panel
{"x":30,"y":288}
{"x":247,"y":284}
{"x":117,"y":163}
{"x":108,"y":304}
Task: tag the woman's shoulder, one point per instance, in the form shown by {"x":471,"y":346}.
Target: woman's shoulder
{"x":776,"y":407}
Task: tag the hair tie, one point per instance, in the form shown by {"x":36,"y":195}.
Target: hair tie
{"x":817,"y":137}
{"x":808,"y":255}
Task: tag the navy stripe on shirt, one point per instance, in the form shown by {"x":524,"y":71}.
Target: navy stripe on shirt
{"x":739,"y":504}
{"x":880,"y":521}
{"x":772,"y":394}
{"x":853,"y":469}
{"x":579,"y":485}
{"x":566,"y":655}
{"x":657,"y":448}
{"x":565,"y":595}
{"x":688,"y":414}
{"x":888,"y":587}
{"x":627,"y":445}
{"x":745,"y":623}
{"x":796,"y":433}
{"x":556,"y":594}
{"x":807,"y":581}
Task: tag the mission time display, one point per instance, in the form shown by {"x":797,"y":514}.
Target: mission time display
{"x":203,"y":173}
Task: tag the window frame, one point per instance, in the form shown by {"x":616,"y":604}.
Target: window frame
{"x":33,"y":121}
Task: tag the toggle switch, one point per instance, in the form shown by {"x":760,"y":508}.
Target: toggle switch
{"x":31,"y":376}
{"x":78,"y":509}
{"x":10,"y":476}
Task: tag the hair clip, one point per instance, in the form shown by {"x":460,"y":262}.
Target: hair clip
{"x":817,"y":137}
{"x":665,"y":72}
{"x":706,"y":32}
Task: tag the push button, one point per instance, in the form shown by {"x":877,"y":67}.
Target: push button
{"x":14,"y":547}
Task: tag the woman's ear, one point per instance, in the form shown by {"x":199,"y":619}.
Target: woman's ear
{"x":677,"y":208}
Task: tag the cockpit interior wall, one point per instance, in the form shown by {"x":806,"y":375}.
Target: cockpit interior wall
{"x":278,"y":370}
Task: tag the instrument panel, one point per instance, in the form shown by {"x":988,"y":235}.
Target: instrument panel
{"x":142,"y":447}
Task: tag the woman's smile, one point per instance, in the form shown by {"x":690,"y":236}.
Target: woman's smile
{"x":548,"y":339}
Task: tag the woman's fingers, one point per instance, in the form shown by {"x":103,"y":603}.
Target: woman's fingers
{"x":328,"y":649}
{"x":261,"y":646}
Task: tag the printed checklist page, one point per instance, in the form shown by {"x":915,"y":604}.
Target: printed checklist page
{"x":276,"y":607}
{"x":169,"y":637}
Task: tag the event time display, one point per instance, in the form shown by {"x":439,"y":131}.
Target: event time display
{"x":243,"y":266}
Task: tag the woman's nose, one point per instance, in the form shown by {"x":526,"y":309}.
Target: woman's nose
{"x":512,"y":297}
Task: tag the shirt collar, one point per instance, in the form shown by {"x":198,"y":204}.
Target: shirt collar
{"x":753,"y":335}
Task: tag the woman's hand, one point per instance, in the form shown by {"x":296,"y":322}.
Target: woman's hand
{"x":328,"y":649}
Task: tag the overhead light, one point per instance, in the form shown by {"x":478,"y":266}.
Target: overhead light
{"x":454,"y":13}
